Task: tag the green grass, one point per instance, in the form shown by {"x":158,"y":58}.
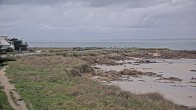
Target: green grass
{"x":4,"y":105}
{"x":45,"y":83}
{"x":77,"y":53}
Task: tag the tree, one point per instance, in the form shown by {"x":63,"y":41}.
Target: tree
{"x":18,"y":44}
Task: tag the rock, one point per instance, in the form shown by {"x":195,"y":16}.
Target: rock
{"x":193,"y":70}
{"x":171,"y":79}
{"x":130,"y":72}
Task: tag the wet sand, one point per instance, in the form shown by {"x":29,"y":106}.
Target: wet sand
{"x":180,"y":92}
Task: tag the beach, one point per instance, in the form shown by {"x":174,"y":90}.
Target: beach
{"x":181,"y":91}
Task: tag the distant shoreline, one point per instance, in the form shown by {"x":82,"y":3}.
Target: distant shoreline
{"x":170,"y":44}
{"x":109,"y":40}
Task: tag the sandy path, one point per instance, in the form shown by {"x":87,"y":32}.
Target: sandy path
{"x":17,"y":103}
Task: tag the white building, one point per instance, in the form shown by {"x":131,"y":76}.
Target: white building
{"x":5,"y":43}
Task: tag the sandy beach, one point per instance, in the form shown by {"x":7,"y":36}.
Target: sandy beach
{"x":181,"y":91}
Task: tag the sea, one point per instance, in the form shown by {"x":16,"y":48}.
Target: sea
{"x":175,"y":44}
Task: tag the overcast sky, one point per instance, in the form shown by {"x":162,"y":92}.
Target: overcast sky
{"x":62,"y":20}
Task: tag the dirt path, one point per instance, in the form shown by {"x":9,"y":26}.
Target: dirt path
{"x":13,"y":97}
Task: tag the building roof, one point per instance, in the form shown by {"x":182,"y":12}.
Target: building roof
{"x":3,"y":41}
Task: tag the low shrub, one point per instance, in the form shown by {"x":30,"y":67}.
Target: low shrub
{"x":81,"y":69}
{"x":9,"y":49}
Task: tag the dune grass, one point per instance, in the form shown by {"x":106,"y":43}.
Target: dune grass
{"x":4,"y":105}
{"x":46,"y":83}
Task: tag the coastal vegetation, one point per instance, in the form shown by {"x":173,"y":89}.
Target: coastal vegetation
{"x":4,"y":105}
{"x":61,"y":80}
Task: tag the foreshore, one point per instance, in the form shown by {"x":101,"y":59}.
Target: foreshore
{"x":174,"y":79}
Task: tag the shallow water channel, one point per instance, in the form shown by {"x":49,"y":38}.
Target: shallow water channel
{"x":181,"y":92}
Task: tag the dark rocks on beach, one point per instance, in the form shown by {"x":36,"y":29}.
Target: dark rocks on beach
{"x":124,"y":74}
{"x":167,"y":82}
{"x":130,"y":72}
{"x":145,"y":61}
{"x":170,"y":79}
{"x":193,"y":70}
{"x":193,"y":78}
{"x":129,"y":62}
{"x":177,"y":85}
{"x":109,"y":58}
{"x":136,"y":63}
{"x":136,"y":73}
{"x":192,"y":82}
{"x":152,"y":74}
{"x":142,"y":80}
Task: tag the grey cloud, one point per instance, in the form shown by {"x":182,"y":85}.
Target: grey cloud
{"x":85,"y":18}
{"x":16,"y":2}
{"x":92,"y":3}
